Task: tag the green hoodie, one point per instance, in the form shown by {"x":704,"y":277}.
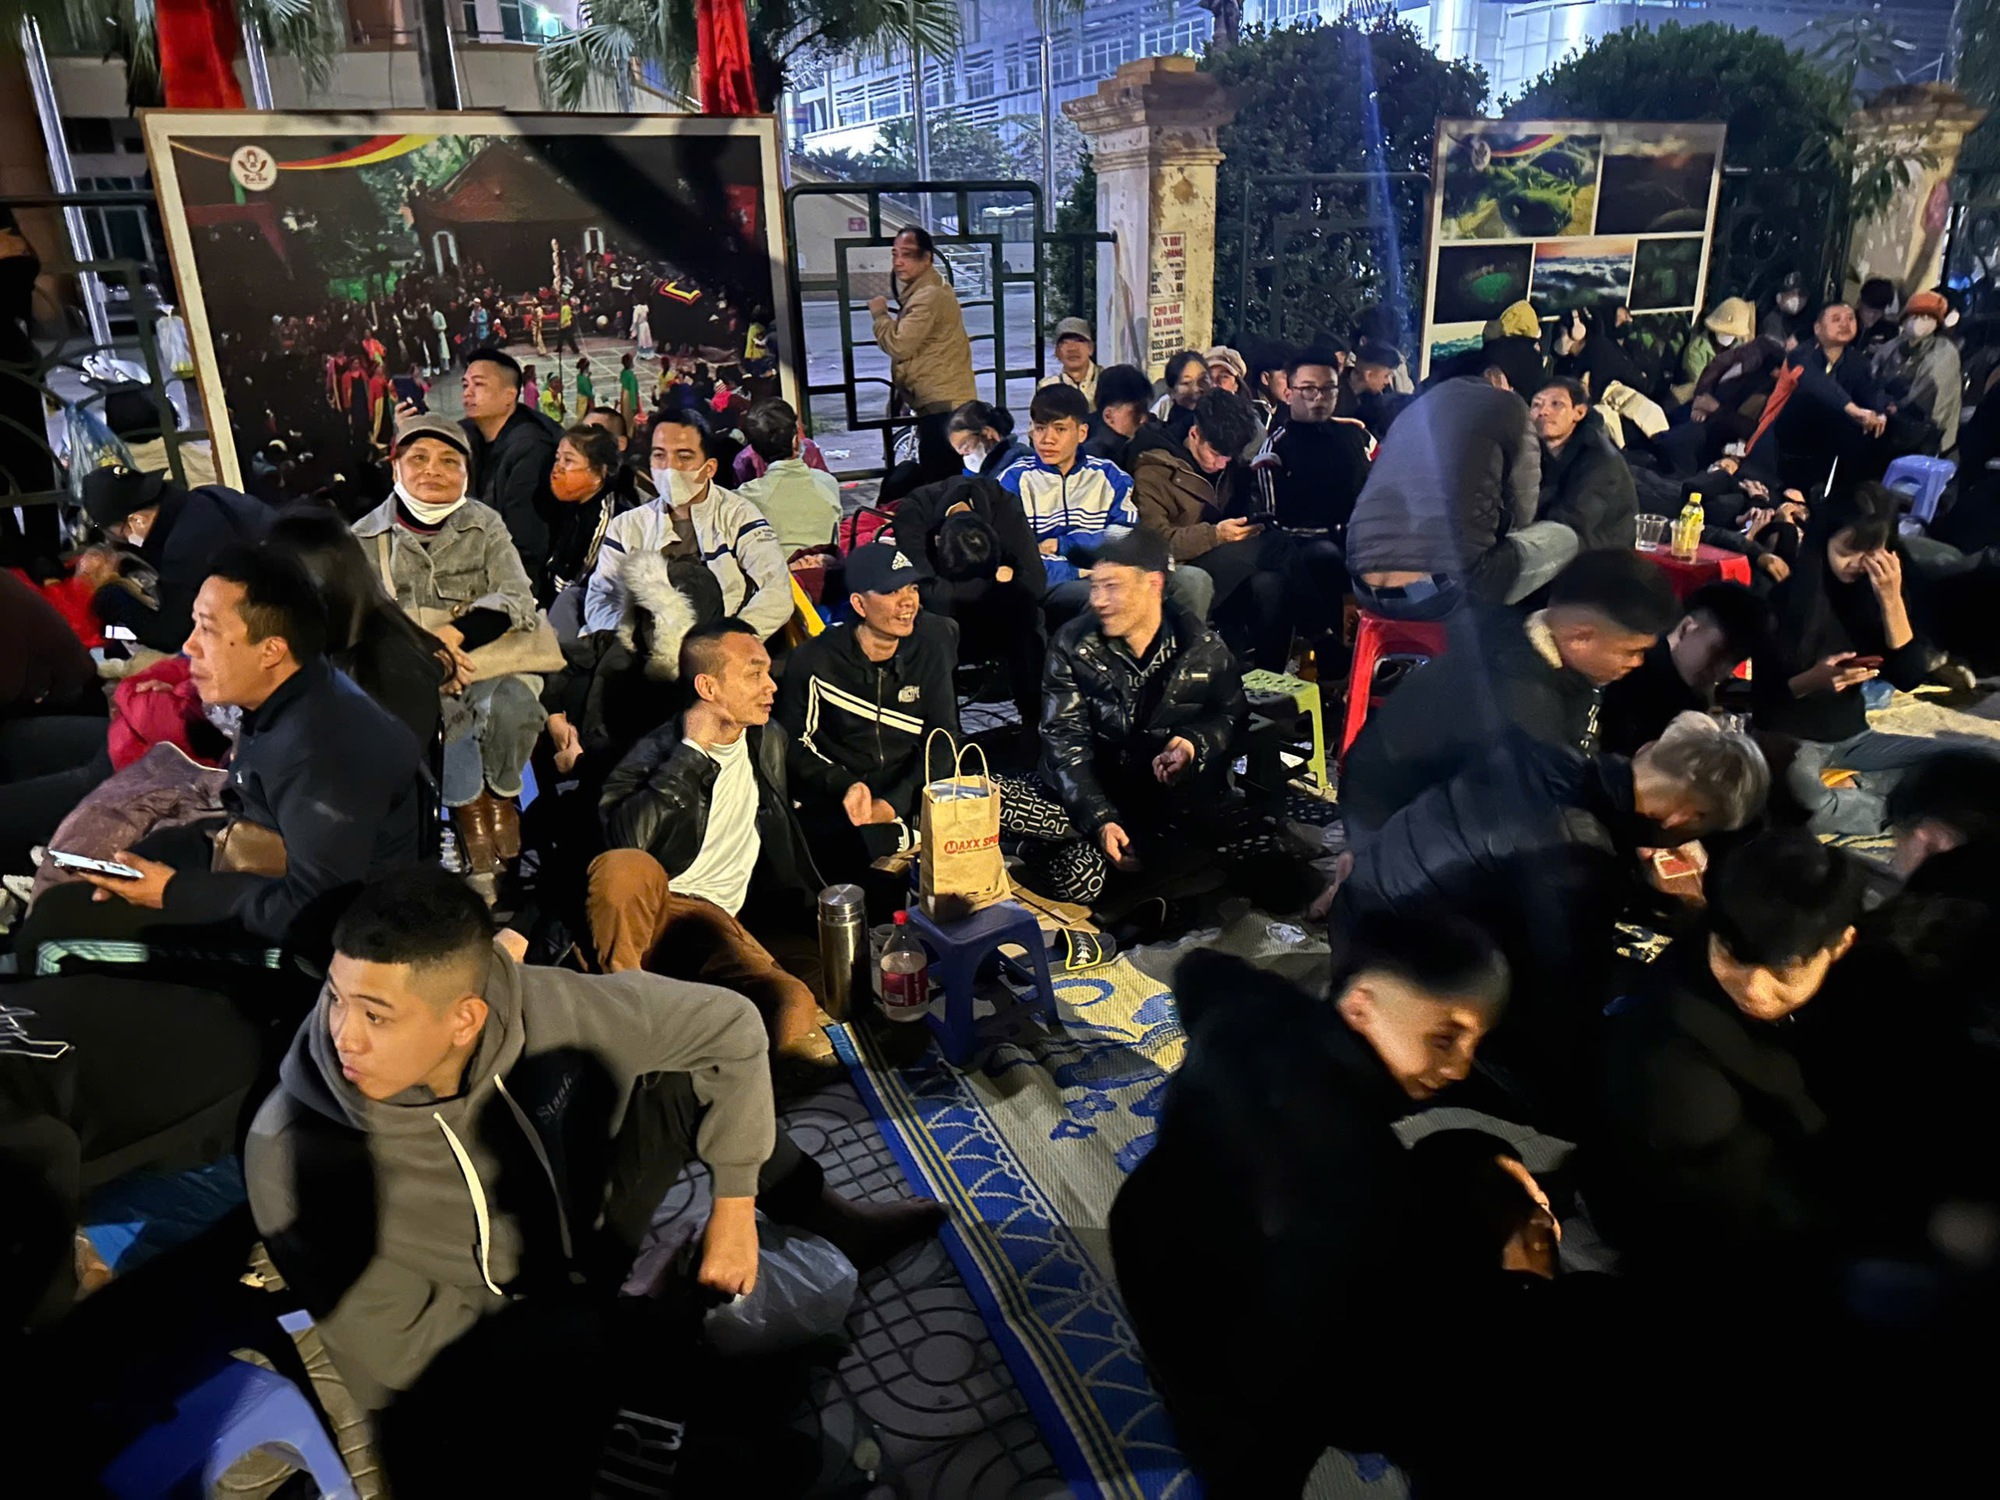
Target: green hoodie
{"x":402,"y":1222}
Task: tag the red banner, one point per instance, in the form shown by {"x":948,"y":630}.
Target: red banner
{"x":198,"y":44}
{"x":722,"y":33}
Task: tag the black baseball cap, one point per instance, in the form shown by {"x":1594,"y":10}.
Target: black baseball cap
{"x":880,"y":568}
{"x":114,"y":492}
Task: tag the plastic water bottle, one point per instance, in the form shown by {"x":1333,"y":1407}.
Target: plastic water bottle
{"x":906,"y":978}
{"x":1687,"y":530}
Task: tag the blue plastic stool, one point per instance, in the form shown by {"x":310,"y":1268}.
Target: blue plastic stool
{"x":961,"y":948}
{"x":238,"y":1409}
{"x":1924,"y":480}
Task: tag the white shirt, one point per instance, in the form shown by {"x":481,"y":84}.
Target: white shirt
{"x":721,"y":872}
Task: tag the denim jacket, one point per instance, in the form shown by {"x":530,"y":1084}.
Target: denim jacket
{"x":470,"y":564}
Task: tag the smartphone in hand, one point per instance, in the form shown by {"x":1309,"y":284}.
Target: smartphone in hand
{"x":408,"y":390}
{"x":67,"y":861}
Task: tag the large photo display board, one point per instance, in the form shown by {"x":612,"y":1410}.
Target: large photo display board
{"x":1568,"y":214}
{"x":331,"y":264}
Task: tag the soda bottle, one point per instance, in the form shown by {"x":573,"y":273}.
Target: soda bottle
{"x":1687,"y":530}
{"x":906,"y":979}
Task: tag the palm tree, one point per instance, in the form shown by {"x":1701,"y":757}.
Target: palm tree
{"x":622,"y":35}
{"x":310,"y":32}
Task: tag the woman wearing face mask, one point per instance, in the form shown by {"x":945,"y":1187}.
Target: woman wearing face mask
{"x":1731,"y":323}
{"x":1586,"y":351}
{"x":1923,"y":368}
{"x":437,"y":549}
{"x":584,"y":483}
{"x":983,"y":437}
{"x":1789,"y":315}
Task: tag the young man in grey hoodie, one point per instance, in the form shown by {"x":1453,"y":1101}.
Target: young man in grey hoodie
{"x":461,"y":1148}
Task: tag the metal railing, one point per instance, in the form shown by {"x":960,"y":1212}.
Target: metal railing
{"x":60,"y":381}
{"x":1314,"y":248}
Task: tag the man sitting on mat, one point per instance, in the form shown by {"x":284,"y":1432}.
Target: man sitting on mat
{"x":702,"y":836}
{"x":1140,"y":709}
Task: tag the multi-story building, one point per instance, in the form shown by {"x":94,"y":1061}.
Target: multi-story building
{"x":996,"y":77}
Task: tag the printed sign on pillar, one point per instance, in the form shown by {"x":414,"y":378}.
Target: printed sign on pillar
{"x":1166,"y":299}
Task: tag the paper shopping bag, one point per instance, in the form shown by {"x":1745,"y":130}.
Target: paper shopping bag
{"x":962,"y":868}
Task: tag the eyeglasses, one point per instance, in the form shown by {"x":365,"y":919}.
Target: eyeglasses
{"x":1310,"y":391}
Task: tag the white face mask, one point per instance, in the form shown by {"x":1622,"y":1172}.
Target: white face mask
{"x":1791,"y":304}
{"x":1919,"y":328}
{"x":680,"y":487}
{"x":430,"y":515}
{"x":975,"y":457}
{"x":1724,"y":340}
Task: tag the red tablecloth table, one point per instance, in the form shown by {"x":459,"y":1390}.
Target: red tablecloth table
{"x":1710,"y":565}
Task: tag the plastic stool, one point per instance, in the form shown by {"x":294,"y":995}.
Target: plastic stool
{"x":962,"y":947}
{"x":238,"y":1409}
{"x":1924,"y":480}
{"x":1376,"y":640}
{"x":1305,"y":697}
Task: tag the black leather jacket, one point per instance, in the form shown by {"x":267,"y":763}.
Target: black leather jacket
{"x":1090,"y":707}
{"x":658,"y":797}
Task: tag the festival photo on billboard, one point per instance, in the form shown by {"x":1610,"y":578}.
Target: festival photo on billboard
{"x":1504,"y":183}
{"x":333,"y":265}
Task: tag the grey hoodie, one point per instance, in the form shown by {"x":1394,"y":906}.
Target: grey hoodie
{"x":402,"y":1222}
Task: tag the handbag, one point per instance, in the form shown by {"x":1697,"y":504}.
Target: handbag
{"x":249,"y":849}
{"x":963,"y":868}
{"x":534,"y":651}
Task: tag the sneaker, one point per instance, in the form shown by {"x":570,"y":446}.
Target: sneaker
{"x":1072,"y":952}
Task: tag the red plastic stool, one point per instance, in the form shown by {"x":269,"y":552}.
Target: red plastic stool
{"x":1375,"y":640}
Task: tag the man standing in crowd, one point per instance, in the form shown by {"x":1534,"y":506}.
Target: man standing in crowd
{"x":323,"y":789}
{"x":175,"y":532}
{"x":1720,"y":625}
{"x":930,"y":358}
{"x":1141,"y":708}
{"x":1586,"y":483}
{"x":1543,"y":677}
{"x":1449,"y":507}
{"x":513,"y":450}
{"x":859,"y":702}
{"x":1317,"y":462}
{"x":801,"y":503}
{"x":694,"y":517}
{"x":460,"y":1162}
{"x":1076,"y":353}
{"x":704,"y":847}
{"x":1837,"y":410}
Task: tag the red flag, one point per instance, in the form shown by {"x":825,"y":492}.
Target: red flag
{"x":198,"y":42}
{"x":722,"y":34}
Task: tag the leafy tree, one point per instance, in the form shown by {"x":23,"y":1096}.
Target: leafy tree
{"x":1976,"y":46}
{"x":1777,"y":105}
{"x":1070,"y":270}
{"x":311,"y":32}
{"x":1343,"y":98}
{"x":784,"y":35}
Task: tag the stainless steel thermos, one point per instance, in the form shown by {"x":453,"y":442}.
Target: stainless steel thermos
{"x":843,"y":949}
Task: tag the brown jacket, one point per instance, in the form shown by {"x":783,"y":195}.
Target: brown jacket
{"x":1172,"y":496}
{"x":930,"y":358}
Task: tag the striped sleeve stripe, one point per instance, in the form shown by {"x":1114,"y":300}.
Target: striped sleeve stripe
{"x":862,"y":708}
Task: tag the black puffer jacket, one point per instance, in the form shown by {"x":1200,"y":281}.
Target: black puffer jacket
{"x":511,"y":474}
{"x":1092,"y":726}
{"x":1588,"y":487}
{"x":658,"y":800}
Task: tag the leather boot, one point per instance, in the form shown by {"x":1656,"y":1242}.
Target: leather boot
{"x":475,"y":837}
{"x":504,"y":818}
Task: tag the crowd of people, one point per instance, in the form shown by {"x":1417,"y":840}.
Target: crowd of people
{"x":480,"y":1044}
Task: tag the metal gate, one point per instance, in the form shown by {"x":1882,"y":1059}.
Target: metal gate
{"x":992,"y":249}
{"x":1771,"y":222}
{"x":1315,"y":248}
